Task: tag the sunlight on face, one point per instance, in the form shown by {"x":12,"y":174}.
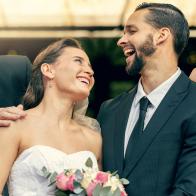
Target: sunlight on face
{"x":73,"y":73}
{"x":137,"y":42}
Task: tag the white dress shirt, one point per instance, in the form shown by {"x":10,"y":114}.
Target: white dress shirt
{"x":155,"y":97}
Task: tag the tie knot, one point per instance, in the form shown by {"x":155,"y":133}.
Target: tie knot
{"x":144,"y":103}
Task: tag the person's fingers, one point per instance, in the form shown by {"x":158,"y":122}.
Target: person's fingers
{"x":7,"y":115}
{"x":20,"y":106}
{"x":21,"y":112}
{"x":5,"y":123}
{"x":12,"y":113}
{"x":13,"y":110}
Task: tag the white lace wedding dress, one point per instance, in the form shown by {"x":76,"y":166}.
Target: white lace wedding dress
{"x":26,"y":177}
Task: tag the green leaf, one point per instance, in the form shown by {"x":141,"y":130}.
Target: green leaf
{"x":105,"y":191}
{"x":116,"y":192}
{"x":77,"y":188}
{"x":60,"y":193}
{"x":89,"y":163}
{"x":124,"y":181}
{"x":114,"y":173}
{"x":51,"y":183}
{"x":79,"y":175}
{"x":53,"y":178}
{"x":97,"y":190}
{"x":46,"y":173}
{"x":66,"y":171}
{"x":80,"y":194}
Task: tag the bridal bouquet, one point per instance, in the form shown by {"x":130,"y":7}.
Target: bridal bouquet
{"x":88,"y":182}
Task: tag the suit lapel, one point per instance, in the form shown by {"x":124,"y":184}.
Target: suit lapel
{"x":174,"y":96}
{"x":121,"y":119}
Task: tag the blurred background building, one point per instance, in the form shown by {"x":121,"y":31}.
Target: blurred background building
{"x":27,"y":26}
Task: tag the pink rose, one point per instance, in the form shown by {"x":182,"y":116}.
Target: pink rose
{"x":102,"y":177}
{"x":122,"y":193}
{"x":70,"y":183}
{"x":61,"y":181}
{"x":91,"y":188}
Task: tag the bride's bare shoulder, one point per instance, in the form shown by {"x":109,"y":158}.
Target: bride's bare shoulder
{"x":12,"y":132}
{"x":93,"y":134}
{"x":94,"y":140}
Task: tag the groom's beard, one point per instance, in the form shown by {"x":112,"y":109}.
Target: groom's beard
{"x":146,"y":49}
{"x":136,"y":66}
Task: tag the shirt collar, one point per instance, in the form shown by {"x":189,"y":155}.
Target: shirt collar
{"x":156,"y":96}
{"x":140,"y":93}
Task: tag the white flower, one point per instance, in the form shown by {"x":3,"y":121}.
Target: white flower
{"x":89,"y":175}
{"x":114,"y":183}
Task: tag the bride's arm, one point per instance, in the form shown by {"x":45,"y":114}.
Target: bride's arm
{"x":9,"y":143}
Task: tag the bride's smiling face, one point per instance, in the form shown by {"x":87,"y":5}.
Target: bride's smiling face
{"x":73,"y":73}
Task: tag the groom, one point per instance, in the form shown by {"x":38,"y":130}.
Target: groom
{"x":156,"y":153}
{"x":149,"y":133}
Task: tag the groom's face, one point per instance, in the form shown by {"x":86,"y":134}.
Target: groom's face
{"x":137,"y":42}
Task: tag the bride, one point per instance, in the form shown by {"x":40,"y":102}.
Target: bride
{"x":55,"y":133}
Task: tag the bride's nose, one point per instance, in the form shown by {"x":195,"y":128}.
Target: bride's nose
{"x":89,"y":70}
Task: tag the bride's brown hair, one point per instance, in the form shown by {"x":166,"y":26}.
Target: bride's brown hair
{"x":35,"y":90}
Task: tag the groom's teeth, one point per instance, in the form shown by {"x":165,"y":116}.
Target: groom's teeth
{"x":129,"y":52}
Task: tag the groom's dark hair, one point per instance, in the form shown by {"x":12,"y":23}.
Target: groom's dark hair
{"x":167,"y":15}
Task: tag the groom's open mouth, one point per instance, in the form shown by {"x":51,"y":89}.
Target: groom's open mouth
{"x":129,"y":53}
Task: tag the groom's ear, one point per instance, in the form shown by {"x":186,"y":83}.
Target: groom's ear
{"x":162,"y":35}
{"x":47,"y":70}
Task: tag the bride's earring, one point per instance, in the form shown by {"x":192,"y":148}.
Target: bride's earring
{"x":50,"y":83}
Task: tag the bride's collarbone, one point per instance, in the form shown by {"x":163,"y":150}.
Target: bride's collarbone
{"x":77,"y":138}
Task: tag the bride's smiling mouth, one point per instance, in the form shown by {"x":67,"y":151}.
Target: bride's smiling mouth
{"x":84,"y":80}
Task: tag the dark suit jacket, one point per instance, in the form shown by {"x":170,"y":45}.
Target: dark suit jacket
{"x":164,"y":160}
{"x":15,"y":73}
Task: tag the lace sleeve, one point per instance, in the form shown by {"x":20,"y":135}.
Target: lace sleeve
{"x":79,"y":112}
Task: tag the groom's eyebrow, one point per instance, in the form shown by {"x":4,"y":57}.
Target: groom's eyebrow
{"x":83,"y":60}
{"x":129,"y":27}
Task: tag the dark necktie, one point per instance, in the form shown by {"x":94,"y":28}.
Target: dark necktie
{"x":139,"y":126}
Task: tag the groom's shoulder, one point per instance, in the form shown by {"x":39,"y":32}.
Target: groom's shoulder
{"x":113,"y":102}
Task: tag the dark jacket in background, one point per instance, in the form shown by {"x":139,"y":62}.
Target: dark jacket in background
{"x":15,"y":73}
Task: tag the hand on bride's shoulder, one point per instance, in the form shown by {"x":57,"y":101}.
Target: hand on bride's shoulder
{"x":10,"y":114}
